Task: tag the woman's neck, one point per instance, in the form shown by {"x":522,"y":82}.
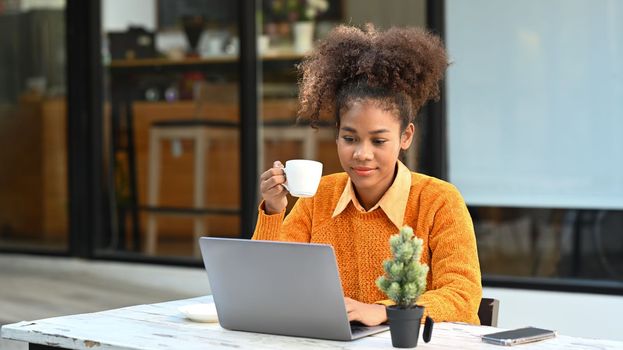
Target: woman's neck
{"x":369,"y":197}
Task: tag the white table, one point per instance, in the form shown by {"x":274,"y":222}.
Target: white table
{"x":161,"y":326}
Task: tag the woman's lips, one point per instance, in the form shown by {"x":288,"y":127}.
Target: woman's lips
{"x":363,"y":171}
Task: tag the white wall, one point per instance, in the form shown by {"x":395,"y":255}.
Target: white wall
{"x":574,"y":314}
{"x":117,"y":15}
{"x":534,"y":102}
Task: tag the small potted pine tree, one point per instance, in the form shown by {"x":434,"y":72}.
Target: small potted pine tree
{"x":403,"y":282}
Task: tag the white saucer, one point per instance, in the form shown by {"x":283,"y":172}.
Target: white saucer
{"x":199,"y":312}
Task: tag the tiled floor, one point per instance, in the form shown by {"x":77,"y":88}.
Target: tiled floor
{"x":39,"y":287}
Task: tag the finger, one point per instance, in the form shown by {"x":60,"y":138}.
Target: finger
{"x":272,"y":172}
{"x":273,"y":190}
{"x":266,"y":175}
{"x":274,"y":181}
{"x":348,"y":302}
{"x":277,"y":180}
{"x":277,"y":169}
{"x":353,"y":315}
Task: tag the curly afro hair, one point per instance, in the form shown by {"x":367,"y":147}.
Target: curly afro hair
{"x":399,"y":69}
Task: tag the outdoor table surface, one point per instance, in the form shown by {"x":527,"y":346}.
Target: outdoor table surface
{"x":162,"y":326}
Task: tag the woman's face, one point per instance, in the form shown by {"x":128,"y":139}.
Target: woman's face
{"x":368,"y":144}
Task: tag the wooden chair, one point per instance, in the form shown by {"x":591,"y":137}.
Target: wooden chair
{"x":488,"y":312}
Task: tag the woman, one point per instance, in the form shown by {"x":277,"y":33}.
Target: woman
{"x":375,"y":83}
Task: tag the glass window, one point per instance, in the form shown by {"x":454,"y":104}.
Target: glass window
{"x":33,"y":126}
{"x":534,"y":108}
{"x":172,"y":110}
{"x":171,"y":124}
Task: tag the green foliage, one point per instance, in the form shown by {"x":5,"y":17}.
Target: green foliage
{"x":405,"y":277}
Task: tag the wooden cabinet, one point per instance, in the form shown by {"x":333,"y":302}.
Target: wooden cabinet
{"x":33,"y":176}
{"x":177,"y":165}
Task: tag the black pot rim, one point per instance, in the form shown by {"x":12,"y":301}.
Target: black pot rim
{"x":396,"y":307}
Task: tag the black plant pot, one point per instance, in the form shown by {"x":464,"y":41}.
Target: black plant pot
{"x":404,"y":326}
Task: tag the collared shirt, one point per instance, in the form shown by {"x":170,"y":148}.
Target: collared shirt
{"x":393,"y":202}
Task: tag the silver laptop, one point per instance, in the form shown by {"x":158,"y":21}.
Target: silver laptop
{"x":279,"y":288}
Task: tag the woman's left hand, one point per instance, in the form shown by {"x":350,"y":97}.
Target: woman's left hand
{"x":368,"y":314}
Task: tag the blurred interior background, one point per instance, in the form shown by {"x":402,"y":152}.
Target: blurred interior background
{"x":130,"y":128}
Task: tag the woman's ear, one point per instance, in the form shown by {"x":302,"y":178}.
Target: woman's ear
{"x":407,"y":136}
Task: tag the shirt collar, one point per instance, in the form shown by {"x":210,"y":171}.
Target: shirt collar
{"x":393,"y":202}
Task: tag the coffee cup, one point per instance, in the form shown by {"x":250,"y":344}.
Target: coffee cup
{"x":302,"y":177}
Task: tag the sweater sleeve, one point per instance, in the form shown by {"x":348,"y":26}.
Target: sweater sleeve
{"x":454,"y":289}
{"x":295,"y":228}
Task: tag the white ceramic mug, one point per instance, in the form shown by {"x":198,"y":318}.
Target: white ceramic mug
{"x":302,"y":177}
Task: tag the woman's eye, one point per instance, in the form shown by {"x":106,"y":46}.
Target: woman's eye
{"x":379,"y":142}
{"x":348,"y":139}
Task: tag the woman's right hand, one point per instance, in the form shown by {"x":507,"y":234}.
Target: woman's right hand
{"x":271,"y":187}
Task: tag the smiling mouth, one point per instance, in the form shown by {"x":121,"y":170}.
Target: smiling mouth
{"x":362,"y":171}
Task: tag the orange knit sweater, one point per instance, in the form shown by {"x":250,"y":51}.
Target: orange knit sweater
{"x":438,"y":215}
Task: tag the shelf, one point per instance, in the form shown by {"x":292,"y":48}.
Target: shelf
{"x":149,"y":62}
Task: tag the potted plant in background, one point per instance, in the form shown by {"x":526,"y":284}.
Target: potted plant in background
{"x":403,"y":282}
{"x":292,"y":20}
{"x":303,"y":14}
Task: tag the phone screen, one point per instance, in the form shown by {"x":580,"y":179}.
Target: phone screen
{"x":518,"y":336}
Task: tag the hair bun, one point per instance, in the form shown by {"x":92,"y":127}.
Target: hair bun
{"x":405,"y":61}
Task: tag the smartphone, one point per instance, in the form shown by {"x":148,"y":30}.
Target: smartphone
{"x":518,"y":336}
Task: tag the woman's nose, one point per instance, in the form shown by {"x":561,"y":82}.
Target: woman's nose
{"x":363,"y":152}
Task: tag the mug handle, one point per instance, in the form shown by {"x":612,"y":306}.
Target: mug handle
{"x":285,"y":173}
{"x":428,"y":329}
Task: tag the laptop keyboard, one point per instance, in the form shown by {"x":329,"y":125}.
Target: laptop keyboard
{"x":356,"y":329}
